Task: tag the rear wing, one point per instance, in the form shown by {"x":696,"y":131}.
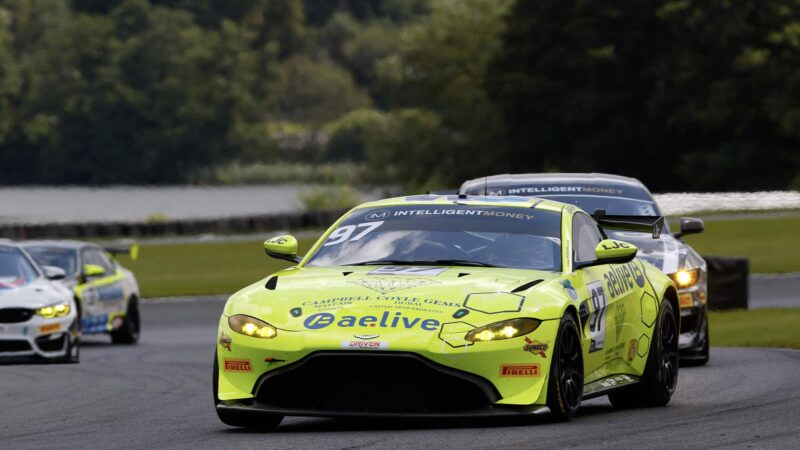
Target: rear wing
{"x":653,"y":224}
{"x":131,"y":250}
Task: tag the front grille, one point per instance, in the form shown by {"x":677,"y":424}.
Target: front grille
{"x":50,"y":345}
{"x":15,"y":315}
{"x":14,"y":346}
{"x":373,"y":382}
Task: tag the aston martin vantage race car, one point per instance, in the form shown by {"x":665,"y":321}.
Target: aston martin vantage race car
{"x":37,"y":314}
{"x":106,"y":293}
{"x":612,"y":194}
{"x":452,"y":306}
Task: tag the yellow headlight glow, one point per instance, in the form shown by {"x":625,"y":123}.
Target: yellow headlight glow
{"x":54,"y":311}
{"x":250,"y":326}
{"x":686,"y":278}
{"x":506,"y":329}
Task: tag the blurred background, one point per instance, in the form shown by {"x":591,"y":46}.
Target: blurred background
{"x":199,"y":127}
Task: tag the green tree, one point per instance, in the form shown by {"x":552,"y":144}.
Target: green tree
{"x":684,"y":95}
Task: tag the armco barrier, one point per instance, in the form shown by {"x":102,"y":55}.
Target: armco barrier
{"x":727,"y":282}
{"x":228,"y":225}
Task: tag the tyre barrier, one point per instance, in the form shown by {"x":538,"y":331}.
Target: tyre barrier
{"x":226,"y":225}
{"x":727,"y":282}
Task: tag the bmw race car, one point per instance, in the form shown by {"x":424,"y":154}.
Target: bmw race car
{"x":454,"y":306}
{"x":37,"y":315}
{"x":107,"y":294}
{"x":612,"y":194}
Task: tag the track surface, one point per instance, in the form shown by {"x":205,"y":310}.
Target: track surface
{"x":158,"y":395}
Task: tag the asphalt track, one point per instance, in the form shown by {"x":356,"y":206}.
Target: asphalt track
{"x":158,"y":395}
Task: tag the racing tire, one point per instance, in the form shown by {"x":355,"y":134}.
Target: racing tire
{"x":565,"y":384}
{"x":661,"y":370}
{"x":128,"y":333}
{"x":254,"y":421}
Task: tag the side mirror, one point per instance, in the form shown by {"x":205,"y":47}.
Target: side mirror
{"x":93,"y":270}
{"x":690,"y":225}
{"x":54,"y":273}
{"x":610,"y":251}
{"x":282,"y":247}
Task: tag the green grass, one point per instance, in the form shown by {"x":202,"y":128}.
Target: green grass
{"x":771,"y":244}
{"x":203,"y":268}
{"x":755,"y":328}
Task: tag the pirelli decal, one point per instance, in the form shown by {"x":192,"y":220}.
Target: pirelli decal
{"x":238,"y":365}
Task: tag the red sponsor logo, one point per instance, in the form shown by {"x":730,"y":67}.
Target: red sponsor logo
{"x":238,"y":365}
{"x":519,"y":370}
{"x":535,"y":347}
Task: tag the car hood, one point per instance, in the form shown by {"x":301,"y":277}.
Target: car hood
{"x":667,"y":253}
{"x":302,"y":297}
{"x":34,"y":295}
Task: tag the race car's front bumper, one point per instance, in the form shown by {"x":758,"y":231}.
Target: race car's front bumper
{"x":37,"y":337}
{"x":694,"y":317}
{"x":373,"y":384}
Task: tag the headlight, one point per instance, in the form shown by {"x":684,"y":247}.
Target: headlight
{"x":53,"y":311}
{"x":250,"y":326}
{"x":506,"y":329}
{"x":685,"y":278}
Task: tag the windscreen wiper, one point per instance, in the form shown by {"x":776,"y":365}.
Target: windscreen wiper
{"x":436,"y":262}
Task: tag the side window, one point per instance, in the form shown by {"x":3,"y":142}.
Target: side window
{"x":585,"y":237}
{"x":102,"y":260}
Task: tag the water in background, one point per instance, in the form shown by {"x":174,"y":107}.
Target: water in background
{"x":125,"y":204}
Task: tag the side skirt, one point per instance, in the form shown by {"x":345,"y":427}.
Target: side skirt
{"x":608,"y":384}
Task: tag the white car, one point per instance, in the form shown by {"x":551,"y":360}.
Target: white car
{"x":38,"y":317}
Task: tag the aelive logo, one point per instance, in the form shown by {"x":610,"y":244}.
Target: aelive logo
{"x":385,"y":320}
{"x":377,"y":215}
{"x":319,"y":320}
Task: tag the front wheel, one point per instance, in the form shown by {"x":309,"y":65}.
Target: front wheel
{"x":565,"y":385}
{"x":241,"y":419}
{"x":128,"y":333}
{"x":661,"y":370}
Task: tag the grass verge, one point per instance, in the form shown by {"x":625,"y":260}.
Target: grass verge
{"x":771,"y":243}
{"x":755,"y":328}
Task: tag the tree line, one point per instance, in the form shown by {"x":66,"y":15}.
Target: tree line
{"x":421,"y":93}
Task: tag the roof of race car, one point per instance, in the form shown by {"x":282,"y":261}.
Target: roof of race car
{"x":594,"y":183}
{"x":470,"y":200}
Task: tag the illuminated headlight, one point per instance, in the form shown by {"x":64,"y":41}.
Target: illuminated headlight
{"x":250,"y":326}
{"x":506,"y":329}
{"x":53,"y":311}
{"x":685,"y":278}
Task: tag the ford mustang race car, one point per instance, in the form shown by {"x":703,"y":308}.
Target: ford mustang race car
{"x":37,"y":315}
{"x":612,"y":194}
{"x":107,"y":294}
{"x":449,"y":306}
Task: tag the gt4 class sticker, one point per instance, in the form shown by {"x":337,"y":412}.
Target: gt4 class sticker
{"x":408,"y":271}
{"x":597,"y":318}
{"x":345,"y":233}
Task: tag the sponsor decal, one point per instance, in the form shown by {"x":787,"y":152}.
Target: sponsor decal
{"x":365,"y":345}
{"x":296,"y":312}
{"x":387,"y":285}
{"x":270,"y":360}
{"x":616,"y":380}
{"x":366,"y":337}
{"x":597,"y":318}
{"x":225,"y":341}
{"x":51,"y":328}
{"x":685,"y":300}
{"x":569,"y":289}
{"x":535,"y":347}
{"x":238,"y":365}
{"x":632,"y":347}
{"x":520,"y":370}
{"x":622,"y":278}
{"x":408,"y":270}
{"x":418,"y":304}
{"x":527,"y":190}
{"x":468,"y":212}
{"x":615,"y":352}
{"x":377,"y":215}
{"x":386,"y":320}
{"x":619,"y":318}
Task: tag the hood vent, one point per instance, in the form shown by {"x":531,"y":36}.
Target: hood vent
{"x":272,"y":283}
{"x":462,"y":274}
{"x":527,"y":286}
{"x":344,"y":274}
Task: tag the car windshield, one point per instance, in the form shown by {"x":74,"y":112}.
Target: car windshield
{"x":65,"y":258}
{"x":451,"y":235}
{"x":15,"y":269}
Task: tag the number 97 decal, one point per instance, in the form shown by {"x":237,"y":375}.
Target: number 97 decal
{"x":345,"y":233}
{"x":597,"y":319}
